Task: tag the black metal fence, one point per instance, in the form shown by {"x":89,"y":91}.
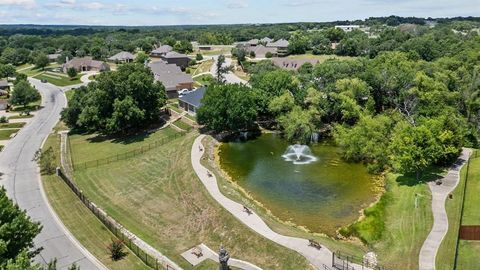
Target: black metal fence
{"x":117,"y":229}
{"x":126,"y":155}
{"x":344,"y":261}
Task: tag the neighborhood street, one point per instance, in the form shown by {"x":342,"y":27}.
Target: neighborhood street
{"x":229,"y":77}
{"x":20,"y":176}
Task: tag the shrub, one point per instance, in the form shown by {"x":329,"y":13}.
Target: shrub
{"x":3,"y":119}
{"x":115,"y":250}
{"x":268,"y":55}
{"x":199,"y":57}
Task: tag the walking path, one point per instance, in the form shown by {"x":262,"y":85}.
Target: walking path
{"x":430,"y":247}
{"x":317,"y":257}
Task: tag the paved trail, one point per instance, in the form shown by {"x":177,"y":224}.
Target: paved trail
{"x":440,"y":193}
{"x":316,"y":257}
{"x":23,"y":184}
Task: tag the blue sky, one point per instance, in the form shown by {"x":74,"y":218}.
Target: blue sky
{"x":168,"y":12}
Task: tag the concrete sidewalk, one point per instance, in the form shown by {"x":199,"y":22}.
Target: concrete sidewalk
{"x":316,"y":257}
{"x":430,"y":247}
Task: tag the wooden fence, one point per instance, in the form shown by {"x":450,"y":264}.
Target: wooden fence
{"x":126,"y":155}
{"x":155,"y":262}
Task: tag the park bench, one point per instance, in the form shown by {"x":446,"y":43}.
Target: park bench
{"x":197,"y":251}
{"x":314,"y":244}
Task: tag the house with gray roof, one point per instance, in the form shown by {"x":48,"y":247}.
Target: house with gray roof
{"x":4,"y":85}
{"x":261,"y":51}
{"x":292,"y":64}
{"x":176,"y":58}
{"x":161,"y":51}
{"x":191,"y":101}
{"x":281,"y":45}
{"x":85,"y":64}
{"x":53,"y":57}
{"x":266,"y":40}
{"x":172,"y":77}
{"x":122,"y":57}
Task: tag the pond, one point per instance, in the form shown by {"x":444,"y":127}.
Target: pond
{"x":309,"y":186}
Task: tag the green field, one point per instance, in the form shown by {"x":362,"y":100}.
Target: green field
{"x":86,"y":228}
{"x":158,"y":197}
{"x":179,"y":123}
{"x":59,"y":79}
{"x":12,"y":125}
{"x":205,"y":79}
{"x":5,"y":133}
{"x":203,"y":67}
{"x":91,"y":147}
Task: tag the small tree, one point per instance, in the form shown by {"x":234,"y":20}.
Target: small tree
{"x":268,"y":55}
{"x":72,"y":73}
{"x":222,"y":69}
{"x":252,"y":54}
{"x":115,"y":250}
{"x":199,"y":57}
{"x":24,"y":93}
{"x":46,"y":160}
{"x":41,"y":61}
{"x":141,"y":58}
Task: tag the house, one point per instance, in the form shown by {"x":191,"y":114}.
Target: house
{"x":252,"y":42}
{"x":176,"y":58}
{"x":292,"y":64}
{"x":347,"y":28}
{"x":266,"y":40}
{"x":191,"y":101}
{"x":172,"y":77}
{"x":4,"y":85}
{"x":85,"y":64}
{"x":281,"y":45}
{"x":3,"y":104}
{"x":122,"y":57}
{"x":161,"y":51}
{"x":53,"y":57}
{"x":261,"y":51}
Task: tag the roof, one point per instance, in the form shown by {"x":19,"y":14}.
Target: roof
{"x":84,"y":61}
{"x":194,"y":98}
{"x":252,"y":41}
{"x":266,"y":39}
{"x":122,"y":56}
{"x":292,"y":64}
{"x":173,"y":54}
{"x":3,"y":83}
{"x":278,"y":43}
{"x":163,"y":49}
{"x":262,"y":50}
{"x":170,"y":75}
{"x":53,"y":56}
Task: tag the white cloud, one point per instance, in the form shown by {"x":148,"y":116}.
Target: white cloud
{"x":237,"y":4}
{"x":28,"y":3}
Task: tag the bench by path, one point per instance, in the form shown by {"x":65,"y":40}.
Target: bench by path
{"x":317,"y":257}
{"x":430,"y":247}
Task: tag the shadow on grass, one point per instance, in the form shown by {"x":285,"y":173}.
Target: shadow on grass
{"x":430,"y":174}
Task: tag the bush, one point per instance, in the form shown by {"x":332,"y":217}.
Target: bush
{"x":199,"y":57}
{"x":3,"y":119}
{"x":252,"y":54}
{"x":268,"y":55}
{"x":115,"y":250}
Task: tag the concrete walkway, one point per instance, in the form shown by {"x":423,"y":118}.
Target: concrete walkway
{"x":316,"y":257}
{"x":440,"y":193}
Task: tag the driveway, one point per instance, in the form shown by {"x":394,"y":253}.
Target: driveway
{"x":229,"y":77}
{"x":22,"y":181}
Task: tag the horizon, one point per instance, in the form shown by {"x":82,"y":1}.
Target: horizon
{"x":219,"y":12}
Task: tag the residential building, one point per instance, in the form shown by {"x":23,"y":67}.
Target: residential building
{"x":281,"y":45}
{"x":161,"y":51}
{"x":172,"y":77}
{"x":122,"y":57}
{"x":4,"y":85}
{"x":53,"y":57}
{"x":191,"y":101}
{"x":3,"y":104}
{"x":261,"y":51}
{"x":347,"y":28}
{"x":252,"y":42}
{"x":176,"y":58}
{"x":266,"y":40}
{"x":292,"y":64}
{"x":85,"y":64}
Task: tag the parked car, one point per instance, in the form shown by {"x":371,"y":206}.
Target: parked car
{"x":44,"y":80}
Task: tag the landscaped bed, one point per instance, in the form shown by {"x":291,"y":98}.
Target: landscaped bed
{"x":12,"y":125}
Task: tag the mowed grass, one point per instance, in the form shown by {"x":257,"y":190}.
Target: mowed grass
{"x":322,"y":58}
{"x":12,"y":125}
{"x":86,"y":228}
{"x":6,"y":133}
{"x":158,"y":197}
{"x":92,"y":146}
{"x":203,"y":67}
{"x":58,"y":80}
{"x":21,"y":116}
{"x":205,"y":79}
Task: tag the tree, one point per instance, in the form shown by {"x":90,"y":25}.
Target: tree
{"x":268,"y":55}
{"x":116,"y":250}
{"x":118,"y":102}
{"x":46,"y":159}
{"x":7,"y":71}
{"x":72,"y":73}
{"x":141,"y":58}
{"x":199,"y":57}
{"x":298,"y":43}
{"x":41,"y":60}
{"x":299,"y":125}
{"x":24,"y":93}
{"x":230,"y":107}
{"x":222,"y":68}
{"x":17,"y":231}
{"x":183,"y":46}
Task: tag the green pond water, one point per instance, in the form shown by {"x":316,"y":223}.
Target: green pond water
{"x":322,"y":196}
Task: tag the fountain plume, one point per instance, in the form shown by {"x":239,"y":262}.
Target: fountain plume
{"x":299,"y":154}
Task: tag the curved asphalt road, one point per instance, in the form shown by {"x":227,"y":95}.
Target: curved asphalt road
{"x":21,"y":179}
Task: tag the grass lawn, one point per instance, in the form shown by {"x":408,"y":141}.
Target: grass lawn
{"x":92,"y":146}
{"x":179,"y":123}
{"x":86,"y":228}
{"x":205,"y":79}
{"x":12,"y":125}
{"x":174,"y":106}
{"x":203,"y":67}
{"x":321,"y":58}
{"x":20,"y":116}
{"x":69,"y":94}
{"x":5,"y":133}
{"x":32,"y":106}
{"x":58,"y":80}
{"x":158,"y":197}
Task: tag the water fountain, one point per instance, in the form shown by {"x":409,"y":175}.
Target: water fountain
{"x":299,"y":154}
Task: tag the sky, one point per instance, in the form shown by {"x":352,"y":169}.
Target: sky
{"x":181,"y":12}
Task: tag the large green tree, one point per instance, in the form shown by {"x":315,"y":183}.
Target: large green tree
{"x":23,"y":93}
